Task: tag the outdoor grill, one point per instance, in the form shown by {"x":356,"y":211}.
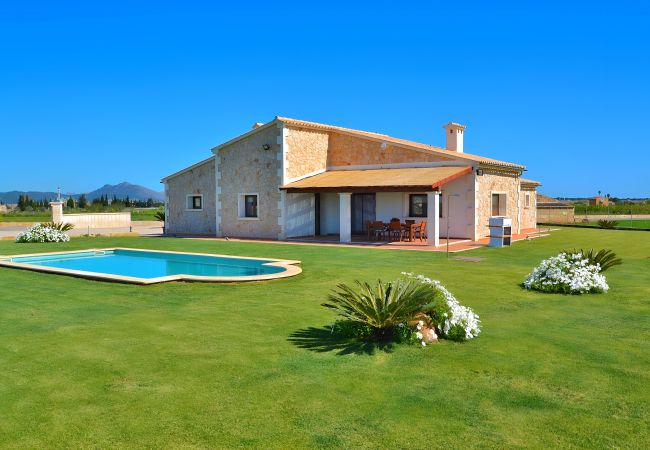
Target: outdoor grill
{"x":500,"y":231}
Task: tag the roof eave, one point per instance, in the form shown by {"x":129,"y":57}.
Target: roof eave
{"x":245,"y":135}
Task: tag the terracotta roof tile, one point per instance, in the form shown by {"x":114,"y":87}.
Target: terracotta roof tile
{"x":422,"y":177}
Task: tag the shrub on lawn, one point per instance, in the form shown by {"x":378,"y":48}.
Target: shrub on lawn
{"x":413,"y":309}
{"x":607,"y":224}
{"x":604,"y":258}
{"x":572,"y":273}
{"x":61,"y":226}
{"x":42,"y":233}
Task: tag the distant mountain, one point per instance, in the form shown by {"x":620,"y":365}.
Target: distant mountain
{"x":122,"y":190}
{"x":12,"y":196}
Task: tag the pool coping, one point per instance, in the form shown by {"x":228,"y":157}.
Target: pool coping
{"x":291,"y":267}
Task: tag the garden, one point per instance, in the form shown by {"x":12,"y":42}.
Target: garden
{"x":95,"y":364}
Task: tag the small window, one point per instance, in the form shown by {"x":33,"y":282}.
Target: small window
{"x":527,"y":201}
{"x":195,"y":202}
{"x":498,"y":204}
{"x":248,"y":206}
{"x":417,"y":205}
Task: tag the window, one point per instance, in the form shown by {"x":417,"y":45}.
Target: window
{"x":418,"y":205}
{"x":195,"y":202}
{"x":498,"y":204}
{"x":248,"y":206}
{"x":527,"y":201}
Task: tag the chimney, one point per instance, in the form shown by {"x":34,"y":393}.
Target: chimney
{"x":257,"y":125}
{"x":454,"y":136}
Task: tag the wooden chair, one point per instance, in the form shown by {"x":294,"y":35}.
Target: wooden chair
{"x":395,"y":230}
{"x":376,"y":229}
{"x":409,"y":230}
{"x":420,"y":230}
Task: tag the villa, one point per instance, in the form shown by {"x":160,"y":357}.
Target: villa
{"x":291,"y":178}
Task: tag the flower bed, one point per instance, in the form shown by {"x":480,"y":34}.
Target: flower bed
{"x":42,"y":233}
{"x":414,"y":310}
{"x":569,"y":273}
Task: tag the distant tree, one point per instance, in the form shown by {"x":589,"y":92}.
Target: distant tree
{"x":70,"y":203}
{"x":83,"y":202}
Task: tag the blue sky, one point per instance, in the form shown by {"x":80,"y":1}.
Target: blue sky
{"x":103,"y":92}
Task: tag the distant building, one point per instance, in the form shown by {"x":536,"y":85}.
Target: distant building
{"x":551,"y":210}
{"x":600,"y":201}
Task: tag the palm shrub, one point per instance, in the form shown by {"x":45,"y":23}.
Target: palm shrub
{"x":607,"y":224}
{"x":160,"y":216}
{"x":381,"y":308}
{"x":605,"y":258}
{"x":60,"y":226}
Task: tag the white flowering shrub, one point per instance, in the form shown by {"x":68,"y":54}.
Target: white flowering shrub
{"x":42,"y":233}
{"x":569,"y":273}
{"x":451,"y":319}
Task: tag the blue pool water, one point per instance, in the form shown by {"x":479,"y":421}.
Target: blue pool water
{"x":144,"y":264}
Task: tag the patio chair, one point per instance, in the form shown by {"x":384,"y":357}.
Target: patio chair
{"x":420,"y":231}
{"x":376,"y":229}
{"x":395,"y":230}
{"x":409,"y":230}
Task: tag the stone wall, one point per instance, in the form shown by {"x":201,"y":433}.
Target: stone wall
{"x":528,"y":213}
{"x":556,"y":215}
{"x":246,"y":168}
{"x":487,"y":184}
{"x":196,"y":181}
{"x":345,"y":150}
{"x":306,"y":152}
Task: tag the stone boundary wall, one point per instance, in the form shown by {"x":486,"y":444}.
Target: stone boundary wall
{"x":92,"y":220}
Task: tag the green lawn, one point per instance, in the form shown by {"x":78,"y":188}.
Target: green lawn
{"x":137,"y":214}
{"x":182,"y":365}
{"x":645,"y":224}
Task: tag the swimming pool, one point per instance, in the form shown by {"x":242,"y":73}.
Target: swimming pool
{"x":152,"y":266}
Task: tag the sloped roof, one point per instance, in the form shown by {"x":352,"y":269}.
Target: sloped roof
{"x":530,"y":182}
{"x":423,"y":178}
{"x":377,"y":137}
{"x":546,"y":201}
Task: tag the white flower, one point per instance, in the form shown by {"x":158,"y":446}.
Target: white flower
{"x":567,"y":273}
{"x":424,"y":344}
{"x":419,"y":335}
{"x":460,"y":315}
{"x":40,"y":233}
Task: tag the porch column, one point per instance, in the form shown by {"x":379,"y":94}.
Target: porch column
{"x":345,"y":217}
{"x":433,"y":218}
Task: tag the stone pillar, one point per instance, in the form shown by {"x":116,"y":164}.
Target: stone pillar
{"x":345,"y":217}
{"x":57,"y":211}
{"x":433,"y":218}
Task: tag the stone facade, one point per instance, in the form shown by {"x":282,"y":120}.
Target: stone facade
{"x":306,"y":152}
{"x":199,"y":180}
{"x":528,"y":213}
{"x":263,"y":160}
{"x":495,"y":183}
{"x":245,"y":167}
{"x":347,"y":150}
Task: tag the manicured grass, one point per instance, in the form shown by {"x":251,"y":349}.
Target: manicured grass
{"x":645,"y":224}
{"x":179,"y":365}
{"x":137,"y":214}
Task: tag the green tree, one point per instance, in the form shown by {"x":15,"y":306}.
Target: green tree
{"x":70,"y":203}
{"x":83,"y":201}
